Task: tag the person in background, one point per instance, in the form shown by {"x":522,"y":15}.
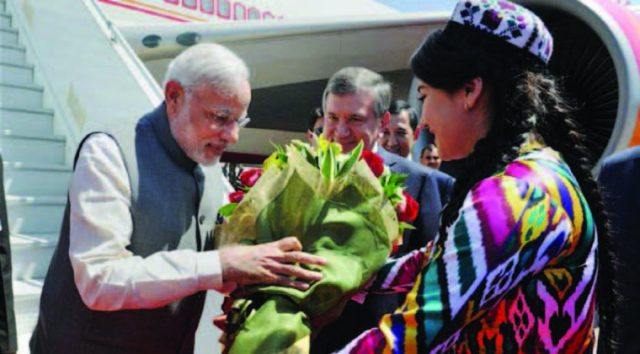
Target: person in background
{"x":356,"y":105}
{"x":316,"y":122}
{"x":620,"y":182}
{"x":398,"y":136}
{"x":8,"y":330}
{"x":135,"y":256}
{"x":522,"y":259}
{"x":430,"y":156}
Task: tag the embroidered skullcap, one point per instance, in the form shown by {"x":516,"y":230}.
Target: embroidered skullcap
{"x":507,"y":21}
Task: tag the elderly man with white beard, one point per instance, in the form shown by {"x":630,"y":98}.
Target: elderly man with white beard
{"x":135,"y":255}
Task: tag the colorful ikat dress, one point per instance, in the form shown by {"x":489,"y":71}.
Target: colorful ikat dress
{"x":516,"y":272}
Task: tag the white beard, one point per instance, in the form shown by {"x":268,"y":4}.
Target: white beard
{"x":182,"y":131}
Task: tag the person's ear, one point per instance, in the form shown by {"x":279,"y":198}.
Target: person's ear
{"x":174,"y":97}
{"x":384,"y":123}
{"x":473,"y":90}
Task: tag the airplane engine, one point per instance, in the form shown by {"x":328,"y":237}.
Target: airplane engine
{"x":597,"y":54}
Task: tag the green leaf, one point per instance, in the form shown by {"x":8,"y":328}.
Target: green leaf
{"x":311,"y":159}
{"x":398,"y":179}
{"x":310,"y":156}
{"x":277,"y":159}
{"x":336,"y":148}
{"x":228,"y":209}
{"x":329,"y":165}
{"x":404,"y":226}
{"x":354,"y":156}
{"x":270,"y":161}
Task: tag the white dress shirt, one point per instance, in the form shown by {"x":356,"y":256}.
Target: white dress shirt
{"x":108,"y":276}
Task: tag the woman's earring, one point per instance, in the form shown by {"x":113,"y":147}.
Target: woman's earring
{"x":466,"y":106}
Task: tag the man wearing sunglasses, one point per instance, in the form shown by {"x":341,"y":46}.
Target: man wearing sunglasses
{"x":135,"y":255}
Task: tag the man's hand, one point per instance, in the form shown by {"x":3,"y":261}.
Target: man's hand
{"x":269,"y":263}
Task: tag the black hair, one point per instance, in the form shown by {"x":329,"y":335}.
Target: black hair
{"x":522,"y":93}
{"x":398,"y":106}
{"x":428,"y":147}
{"x":316,"y":114}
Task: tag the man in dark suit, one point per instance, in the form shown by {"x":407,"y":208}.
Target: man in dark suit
{"x":8,"y":340}
{"x":620,"y":182}
{"x":356,"y":105}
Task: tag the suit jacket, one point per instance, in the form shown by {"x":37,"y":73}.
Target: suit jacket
{"x":8,"y":337}
{"x":431,"y":189}
{"x":620,"y":182}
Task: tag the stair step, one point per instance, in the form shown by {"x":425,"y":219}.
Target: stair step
{"x":30,"y":255}
{"x":16,"y":73}
{"x":20,"y":95}
{"x":32,"y":149}
{"x":5,"y":21}
{"x":8,"y":36}
{"x":26,"y":121}
{"x":35,"y":215}
{"x":27,"y":179}
{"x":12,"y":54}
{"x":26,"y":297}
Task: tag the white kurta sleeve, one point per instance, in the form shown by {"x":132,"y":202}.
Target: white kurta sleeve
{"x":108,"y":276}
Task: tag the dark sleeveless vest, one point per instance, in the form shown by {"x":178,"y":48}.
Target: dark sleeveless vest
{"x":172,"y":207}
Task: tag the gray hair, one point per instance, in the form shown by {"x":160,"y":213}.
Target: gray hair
{"x":358,"y":79}
{"x":207,"y":63}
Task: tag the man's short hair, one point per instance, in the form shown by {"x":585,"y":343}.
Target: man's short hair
{"x":207,"y":63}
{"x":428,"y":147}
{"x":358,"y":79}
{"x":398,"y":106}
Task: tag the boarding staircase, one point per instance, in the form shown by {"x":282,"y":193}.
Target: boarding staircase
{"x":35,"y":174}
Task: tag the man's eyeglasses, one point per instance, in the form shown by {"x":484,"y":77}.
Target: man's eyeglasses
{"x":221,"y":119}
{"x":226,"y":121}
{"x":243,"y":122}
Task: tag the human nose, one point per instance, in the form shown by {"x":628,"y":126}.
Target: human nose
{"x":231,"y":133}
{"x":424,"y":120}
{"x":392,"y":140}
{"x":342,"y":129}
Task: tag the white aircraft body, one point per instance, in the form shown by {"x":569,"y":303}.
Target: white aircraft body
{"x":101,"y":62}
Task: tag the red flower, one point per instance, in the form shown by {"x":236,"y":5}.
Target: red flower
{"x":395,"y":247}
{"x":407,"y":211}
{"x":250,"y":177}
{"x":236,"y":197}
{"x":374,"y":161}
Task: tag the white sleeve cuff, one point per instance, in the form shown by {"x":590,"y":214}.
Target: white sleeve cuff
{"x":209,"y":270}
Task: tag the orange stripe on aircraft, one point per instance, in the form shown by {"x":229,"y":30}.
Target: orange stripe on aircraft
{"x":635,"y":138}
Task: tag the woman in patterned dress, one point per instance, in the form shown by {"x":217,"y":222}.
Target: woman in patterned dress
{"x":522,"y":254}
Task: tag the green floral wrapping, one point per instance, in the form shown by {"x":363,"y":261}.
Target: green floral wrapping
{"x":347,"y":220}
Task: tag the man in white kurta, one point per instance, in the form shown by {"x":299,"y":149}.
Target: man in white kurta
{"x":132,"y":266}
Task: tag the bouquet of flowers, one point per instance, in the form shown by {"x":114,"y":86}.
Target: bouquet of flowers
{"x":347,"y":208}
